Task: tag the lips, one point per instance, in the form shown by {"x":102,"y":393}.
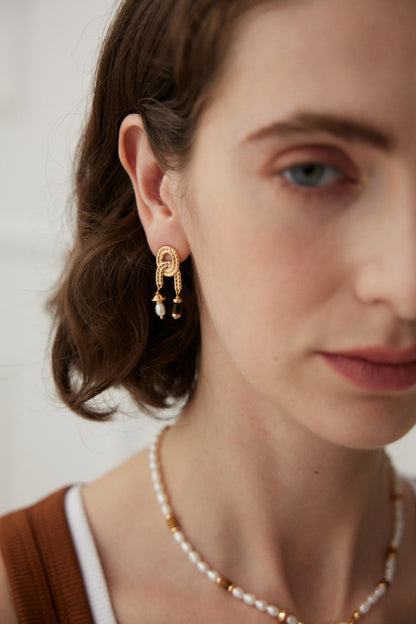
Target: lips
{"x":375,"y":368}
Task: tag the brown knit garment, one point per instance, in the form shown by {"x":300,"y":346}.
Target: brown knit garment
{"x":42,"y":565}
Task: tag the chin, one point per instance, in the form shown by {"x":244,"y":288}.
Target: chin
{"x":370,"y":433}
{"x":356,"y":422}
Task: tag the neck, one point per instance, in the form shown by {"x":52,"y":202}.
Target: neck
{"x":308,"y":496}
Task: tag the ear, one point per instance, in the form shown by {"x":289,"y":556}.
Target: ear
{"x":154,"y":189}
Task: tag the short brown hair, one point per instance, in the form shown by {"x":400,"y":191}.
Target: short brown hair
{"x":161,"y":59}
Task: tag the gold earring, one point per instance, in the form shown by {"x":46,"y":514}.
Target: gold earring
{"x":170,"y":268}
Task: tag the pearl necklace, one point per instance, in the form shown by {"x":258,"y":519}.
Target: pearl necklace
{"x":280,"y":615}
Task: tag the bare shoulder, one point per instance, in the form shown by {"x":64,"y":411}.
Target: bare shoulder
{"x":118,"y":502}
{"x":8,"y":613}
{"x":131,"y":539}
{"x":116,"y":491}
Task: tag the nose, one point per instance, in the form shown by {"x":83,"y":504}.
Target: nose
{"x":387,"y":274}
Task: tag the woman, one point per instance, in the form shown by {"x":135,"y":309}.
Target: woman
{"x":273,"y":144}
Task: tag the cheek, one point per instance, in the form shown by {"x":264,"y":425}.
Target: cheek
{"x":262,"y":283}
{"x":261,"y":251}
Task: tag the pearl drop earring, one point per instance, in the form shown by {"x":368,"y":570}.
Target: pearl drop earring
{"x":168,"y":268}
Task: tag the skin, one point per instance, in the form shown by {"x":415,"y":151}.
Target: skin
{"x":276,"y":468}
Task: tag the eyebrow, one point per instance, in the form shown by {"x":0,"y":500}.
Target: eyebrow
{"x":345,"y":128}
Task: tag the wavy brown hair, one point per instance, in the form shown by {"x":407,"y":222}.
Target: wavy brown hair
{"x":160,"y":58}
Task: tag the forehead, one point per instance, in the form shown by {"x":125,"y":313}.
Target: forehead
{"x":356,"y":58}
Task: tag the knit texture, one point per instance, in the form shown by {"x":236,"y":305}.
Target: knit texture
{"x":42,"y":565}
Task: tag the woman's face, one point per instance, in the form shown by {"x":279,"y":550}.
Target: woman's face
{"x":300,"y":210}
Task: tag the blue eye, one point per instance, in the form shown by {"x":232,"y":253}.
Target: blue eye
{"x":312,"y":174}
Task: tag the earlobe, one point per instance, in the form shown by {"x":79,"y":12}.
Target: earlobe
{"x":159,"y":217}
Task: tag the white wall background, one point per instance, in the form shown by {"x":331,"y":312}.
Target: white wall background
{"x":47,"y":49}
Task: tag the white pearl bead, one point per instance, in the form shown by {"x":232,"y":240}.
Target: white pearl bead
{"x":212,"y":575}
{"x":390,"y":569}
{"x":272,"y":610}
{"x":202,"y":567}
{"x":161,"y":498}
{"x":292,"y":620}
{"x":261,"y":605}
{"x":249,"y":599}
{"x":194,"y":556}
{"x":154,"y":476}
{"x":364,"y":608}
{"x":166,"y":510}
{"x":238,"y":593}
{"x":160,"y":309}
{"x":379,"y":592}
{"x":179,"y":537}
{"x":372,"y":599}
{"x":186,"y":547}
{"x":398,"y":536}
